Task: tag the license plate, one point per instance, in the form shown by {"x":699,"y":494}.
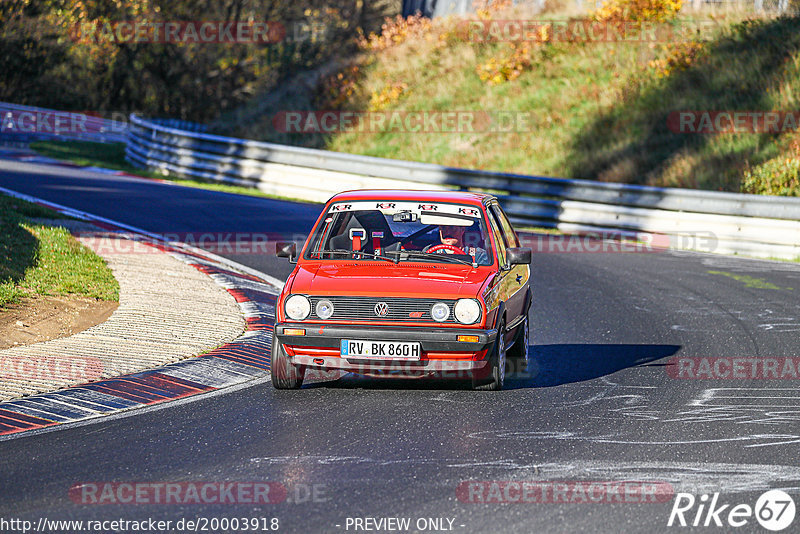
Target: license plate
{"x":380,"y":350}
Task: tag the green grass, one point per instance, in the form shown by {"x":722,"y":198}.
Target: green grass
{"x":749,"y":281}
{"x":112,"y":156}
{"x":599,"y":110}
{"x":87,"y":153}
{"x":538,"y":230}
{"x":752,"y":65}
{"x":38,"y":259}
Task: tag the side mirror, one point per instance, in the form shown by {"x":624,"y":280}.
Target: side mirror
{"x":518,"y":256}
{"x":286,"y":249}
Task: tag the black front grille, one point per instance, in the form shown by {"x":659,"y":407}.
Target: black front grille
{"x":400,"y":309}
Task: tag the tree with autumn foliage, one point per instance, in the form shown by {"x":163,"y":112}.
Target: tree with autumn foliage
{"x":60,"y":53}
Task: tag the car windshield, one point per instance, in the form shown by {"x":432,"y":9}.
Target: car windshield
{"x":402,"y":231}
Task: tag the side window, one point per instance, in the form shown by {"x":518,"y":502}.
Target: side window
{"x":508,"y":230}
{"x":498,"y":237}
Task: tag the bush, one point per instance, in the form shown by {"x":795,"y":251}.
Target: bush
{"x":680,"y":56}
{"x":336,"y":90}
{"x":73,"y":55}
{"x":391,"y":93}
{"x":395,"y":31}
{"x":513,"y":61}
{"x":778,"y":176}
{"x":487,"y":9}
{"x":638,"y":10}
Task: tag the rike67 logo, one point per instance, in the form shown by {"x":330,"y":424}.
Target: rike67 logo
{"x":774,"y":510}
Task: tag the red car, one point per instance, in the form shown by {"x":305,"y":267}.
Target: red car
{"x":407,"y":284}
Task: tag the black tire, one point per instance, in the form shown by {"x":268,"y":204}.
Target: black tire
{"x":518,"y":353}
{"x":494,"y":379}
{"x":285,"y":375}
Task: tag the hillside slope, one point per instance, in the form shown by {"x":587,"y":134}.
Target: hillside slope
{"x":605,"y":109}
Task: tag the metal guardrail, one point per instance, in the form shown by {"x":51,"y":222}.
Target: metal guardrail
{"x":755,"y":225}
{"x":29,"y":123}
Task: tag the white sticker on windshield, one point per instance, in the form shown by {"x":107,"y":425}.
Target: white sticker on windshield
{"x":390,"y":208}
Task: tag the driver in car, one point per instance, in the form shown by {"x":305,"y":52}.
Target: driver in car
{"x":452,"y":242}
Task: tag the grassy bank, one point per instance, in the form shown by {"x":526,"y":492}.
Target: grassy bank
{"x":112,"y":156}
{"x":85,"y":153}
{"x":39,"y":259}
{"x":599,"y":110}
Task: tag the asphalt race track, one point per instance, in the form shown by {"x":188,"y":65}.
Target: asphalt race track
{"x":598,"y":402}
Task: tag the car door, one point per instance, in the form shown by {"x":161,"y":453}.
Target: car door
{"x":502,"y":287}
{"x":517,"y":276}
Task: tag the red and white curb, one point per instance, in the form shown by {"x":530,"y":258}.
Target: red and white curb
{"x":244,"y":359}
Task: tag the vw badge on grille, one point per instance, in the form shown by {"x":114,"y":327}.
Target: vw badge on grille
{"x":381,"y":309}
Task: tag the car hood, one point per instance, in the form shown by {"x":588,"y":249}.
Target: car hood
{"x":387,"y":279}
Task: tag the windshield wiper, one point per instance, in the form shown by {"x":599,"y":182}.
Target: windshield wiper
{"x":367,"y":254}
{"x":428,"y":255}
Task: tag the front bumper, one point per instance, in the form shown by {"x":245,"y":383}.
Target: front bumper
{"x":461,"y":356}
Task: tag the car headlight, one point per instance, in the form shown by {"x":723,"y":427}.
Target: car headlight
{"x":297,"y":307}
{"x":467,"y":311}
{"x":324,"y":309}
{"x":440,"y":312}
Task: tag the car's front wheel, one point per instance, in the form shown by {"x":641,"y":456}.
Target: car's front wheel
{"x":497,"y":366}
{"x":285,"y":374}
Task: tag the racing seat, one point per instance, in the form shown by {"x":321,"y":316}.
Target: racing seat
{"x":343,"y":241}
{"x":368,"y":223}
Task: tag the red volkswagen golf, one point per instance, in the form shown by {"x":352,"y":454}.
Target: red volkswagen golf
{"x":406,"y":284}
